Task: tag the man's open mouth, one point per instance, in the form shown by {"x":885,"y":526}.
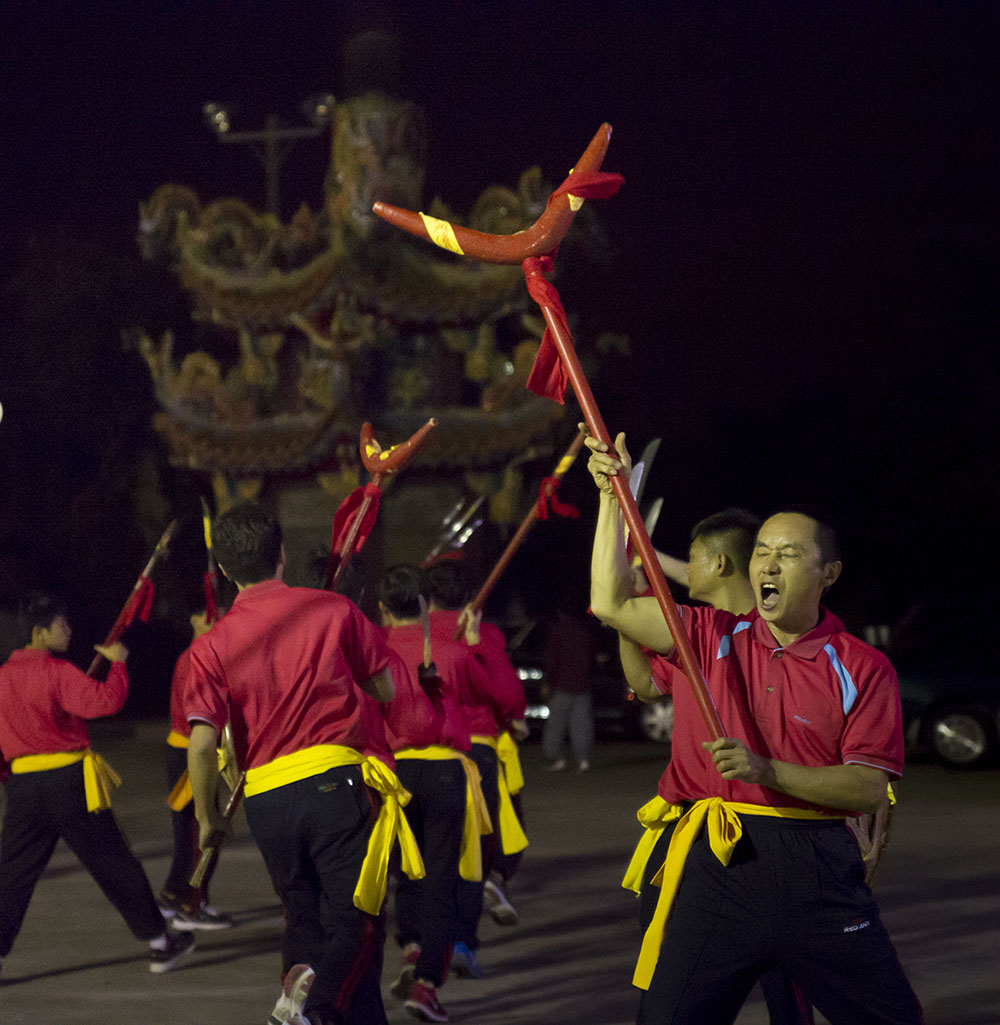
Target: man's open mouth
{"x":768,"y":596}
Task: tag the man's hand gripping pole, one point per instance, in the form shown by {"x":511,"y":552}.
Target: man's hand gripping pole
{"x":534,"y":249}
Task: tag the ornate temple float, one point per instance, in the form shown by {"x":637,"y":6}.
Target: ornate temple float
{"x":335,"y":318}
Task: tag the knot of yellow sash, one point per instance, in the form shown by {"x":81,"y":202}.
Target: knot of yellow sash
{"x":390,"y":826}
{"x":98,"y":776}
{"x":654,"y":816}
{"x":98,"y":780}
{"x":510,"y":762}
{"x":512,"y":836}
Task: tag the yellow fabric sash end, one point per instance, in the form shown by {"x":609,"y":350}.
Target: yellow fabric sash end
{"x":512,"y":837}
{"x":724,"y":831}
{"x":441,"y":233}
{"x":175,"y":739}
{"x":98,"y":776}
{"x":182,"y":794}
{"x":477,"y":816}
{"x":390,"y":826}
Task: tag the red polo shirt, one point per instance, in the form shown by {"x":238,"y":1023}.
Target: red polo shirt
{"x":46,"y":702}
{"x":826,"y":699}
{"x":281,"y":665}
{"x":490,"y":706}
{"x":412,"y":718}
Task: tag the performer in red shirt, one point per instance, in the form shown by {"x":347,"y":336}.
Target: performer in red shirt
{"x":284,"y":666}
{"x":429,"y":736}
{"x":186,"y":907}
{"x":761,"y":870}
{"x":58,"y":787}
{"x":495,"y":716}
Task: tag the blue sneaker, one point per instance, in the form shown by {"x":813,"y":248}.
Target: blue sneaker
{"x":464,"y":963}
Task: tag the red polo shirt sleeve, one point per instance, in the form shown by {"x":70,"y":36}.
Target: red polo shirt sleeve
{"x":873,"y":732}
{"x":204,"y":697}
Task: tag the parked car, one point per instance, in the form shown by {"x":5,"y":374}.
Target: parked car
{"x":617,"y":710}
{"x":952,"y":713}
{"x":949,"y":682}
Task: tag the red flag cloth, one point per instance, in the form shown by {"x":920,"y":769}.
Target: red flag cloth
{"x":139,"y":604}
{"x":547,"y":501}
{"x":548,"y":376}
{"x":211,"y":606}
{"x":344,"y":518}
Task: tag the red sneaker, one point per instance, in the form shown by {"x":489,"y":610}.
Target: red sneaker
{"x":422,"y":1003}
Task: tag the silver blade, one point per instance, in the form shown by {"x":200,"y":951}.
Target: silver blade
{"x":652,"y":515}
{"x":640,"y":470}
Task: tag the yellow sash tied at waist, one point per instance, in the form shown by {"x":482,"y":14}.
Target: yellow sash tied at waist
{"x":477,"y":815}
{"x":724,"y":831}
{"x":182,"y":794}
{"x":512,"y":837}
{"x":390,"y":826}
{"x":98,"y":776}
{"x":175,"y":739}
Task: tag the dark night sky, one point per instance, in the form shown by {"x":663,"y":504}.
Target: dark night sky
{"x":804,"y":252}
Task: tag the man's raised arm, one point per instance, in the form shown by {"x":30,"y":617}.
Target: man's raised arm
{"x":612,"y":598}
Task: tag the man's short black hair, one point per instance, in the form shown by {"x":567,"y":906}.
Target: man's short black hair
{"x":399,"y":591}
{"x":247,"y":543}
{"x":827,"y":535}
{"x":732,"y":532}
{"x":445,"y":584}
{"x":38,"y":608}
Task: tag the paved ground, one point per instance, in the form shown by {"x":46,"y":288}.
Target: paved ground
{"x":570,"y":958}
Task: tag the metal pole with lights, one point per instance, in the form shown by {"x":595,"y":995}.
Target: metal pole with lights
{"x":275,"y":141}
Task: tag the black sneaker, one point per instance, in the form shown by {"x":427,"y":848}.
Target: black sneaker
{"x":204,"y":917}
{"x":178,"y":945}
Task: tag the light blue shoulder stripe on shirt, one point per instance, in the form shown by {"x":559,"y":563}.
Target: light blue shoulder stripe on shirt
{"x":726,"y":641}
{"x":850,"y":692}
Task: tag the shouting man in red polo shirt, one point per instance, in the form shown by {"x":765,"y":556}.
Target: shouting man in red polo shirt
{"x":772,"y":876}
{"x":284,"y":666}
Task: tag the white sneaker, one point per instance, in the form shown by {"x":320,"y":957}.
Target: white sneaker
{"x":497,"y":904}
{"x":294,"y":990}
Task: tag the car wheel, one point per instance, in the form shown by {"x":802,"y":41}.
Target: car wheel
{"x":962,"y":737}
{"x":656,"y":720}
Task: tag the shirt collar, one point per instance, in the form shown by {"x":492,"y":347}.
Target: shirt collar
{"x":260,"y":588}
{"x":809,"y":645}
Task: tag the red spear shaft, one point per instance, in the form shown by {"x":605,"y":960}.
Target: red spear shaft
{"x":140,"y":592}
{"x":522,"y":531}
